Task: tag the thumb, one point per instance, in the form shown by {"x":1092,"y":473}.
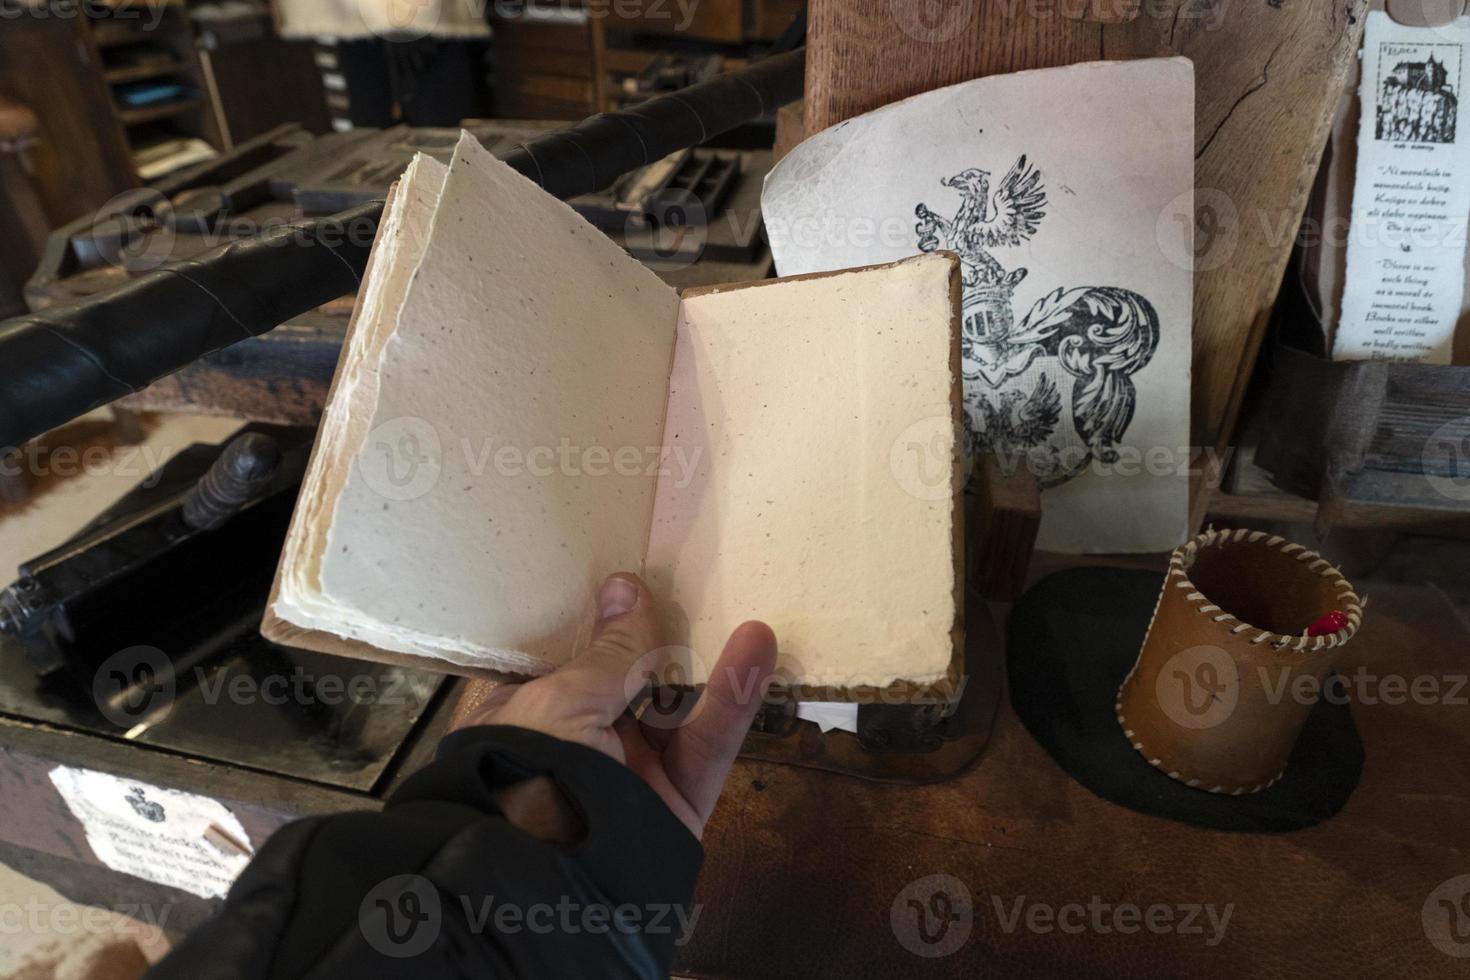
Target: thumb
{"x":627,"y":628}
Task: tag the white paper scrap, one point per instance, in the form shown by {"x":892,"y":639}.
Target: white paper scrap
{"x":829,"y":714}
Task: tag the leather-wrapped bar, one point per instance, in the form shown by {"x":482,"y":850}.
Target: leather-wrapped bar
{"x":61,"y":363}
{"x":601,"y":148}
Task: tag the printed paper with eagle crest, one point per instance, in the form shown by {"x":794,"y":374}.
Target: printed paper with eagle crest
{"x":1068,"y":195}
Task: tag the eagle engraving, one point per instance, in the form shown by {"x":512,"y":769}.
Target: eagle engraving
{"x":1020,"y":421}
{"x":1099,"y":335}
{"x":1008,"y":218}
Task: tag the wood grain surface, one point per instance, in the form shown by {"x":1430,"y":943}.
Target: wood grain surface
{"x":809,"y":874}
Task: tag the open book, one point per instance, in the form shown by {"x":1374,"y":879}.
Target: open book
{"x":521,"y":409}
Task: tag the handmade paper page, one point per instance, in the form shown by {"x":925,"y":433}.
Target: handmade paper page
{"x":815,"y":429}
{"x":1068,"y":194}
{"x":512,"y":451}
{"x":402,"y":238}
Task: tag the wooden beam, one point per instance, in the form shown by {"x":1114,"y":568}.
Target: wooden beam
{"x":1268,"y":80}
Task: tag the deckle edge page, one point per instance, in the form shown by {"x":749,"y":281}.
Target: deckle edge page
{"x":799,"y":505}
{"x":295,"y":613}
{"x":484,"y":507}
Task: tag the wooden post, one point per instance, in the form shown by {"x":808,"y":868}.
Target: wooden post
{"x":1003,"y":519}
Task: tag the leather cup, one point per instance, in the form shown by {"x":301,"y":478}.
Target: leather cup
{"x":1227,"y":675}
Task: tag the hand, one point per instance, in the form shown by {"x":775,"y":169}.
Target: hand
{"x":586,"y":701}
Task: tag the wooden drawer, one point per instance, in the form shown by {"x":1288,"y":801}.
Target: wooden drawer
{"x":707,"y":20}
{"x":516,"y":105}
{"x":521,"y":60}
{"x":543,"y":71}
{"x":554,"y":87}
{"x":557,"y":37}
{"x":768,"y":18}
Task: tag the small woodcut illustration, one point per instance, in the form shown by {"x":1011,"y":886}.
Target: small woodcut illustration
{"x":144,"y":807}
{"x":1018,"y":401}
{"x":1418,"y":88}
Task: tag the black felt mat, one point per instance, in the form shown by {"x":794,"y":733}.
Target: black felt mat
{"x":1070,"y":642}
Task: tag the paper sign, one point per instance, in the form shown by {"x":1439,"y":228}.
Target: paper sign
{"x":160,"y":835}
{"x":1406,"y":247}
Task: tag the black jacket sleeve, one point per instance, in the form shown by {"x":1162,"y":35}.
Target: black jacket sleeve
{"x":439,"y":884}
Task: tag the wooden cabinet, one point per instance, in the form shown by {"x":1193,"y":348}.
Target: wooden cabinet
{"x":81,"y":159}
{"x":721,"y":20}
{"x":544,"y":69}
{"x":102,"y":88}
{"x":157,"y":88}
{"x":253,"y":102}
{"x":568,"y":66}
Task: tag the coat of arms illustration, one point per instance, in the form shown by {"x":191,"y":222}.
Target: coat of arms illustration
{"x":1016,"y":374}
{"x":144,"y":807}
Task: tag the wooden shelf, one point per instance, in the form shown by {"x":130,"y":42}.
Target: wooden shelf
{"x":128,"y":26}
{"x":1278,"y":506}
{"x":1262,"y":507}
{"x":116,"y":34}
{"x":138,"y":73}
{"x":166,"y":51}
{"x":152,"y":113}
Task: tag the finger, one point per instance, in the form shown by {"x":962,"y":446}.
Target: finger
{"x":627,"y":629}
{"x":645,"y":760}
{"x":478,"y":701}
{"x":699,"y":756}
{"x":668,"y":709}
{"x":636,"y":750}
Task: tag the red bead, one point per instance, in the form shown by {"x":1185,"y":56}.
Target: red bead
{"x":1328,"y":624}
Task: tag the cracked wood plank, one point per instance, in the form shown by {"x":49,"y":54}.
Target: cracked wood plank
{"x":1268,"y":76}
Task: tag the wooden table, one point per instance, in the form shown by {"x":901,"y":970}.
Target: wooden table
{"x":803,"y":868}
